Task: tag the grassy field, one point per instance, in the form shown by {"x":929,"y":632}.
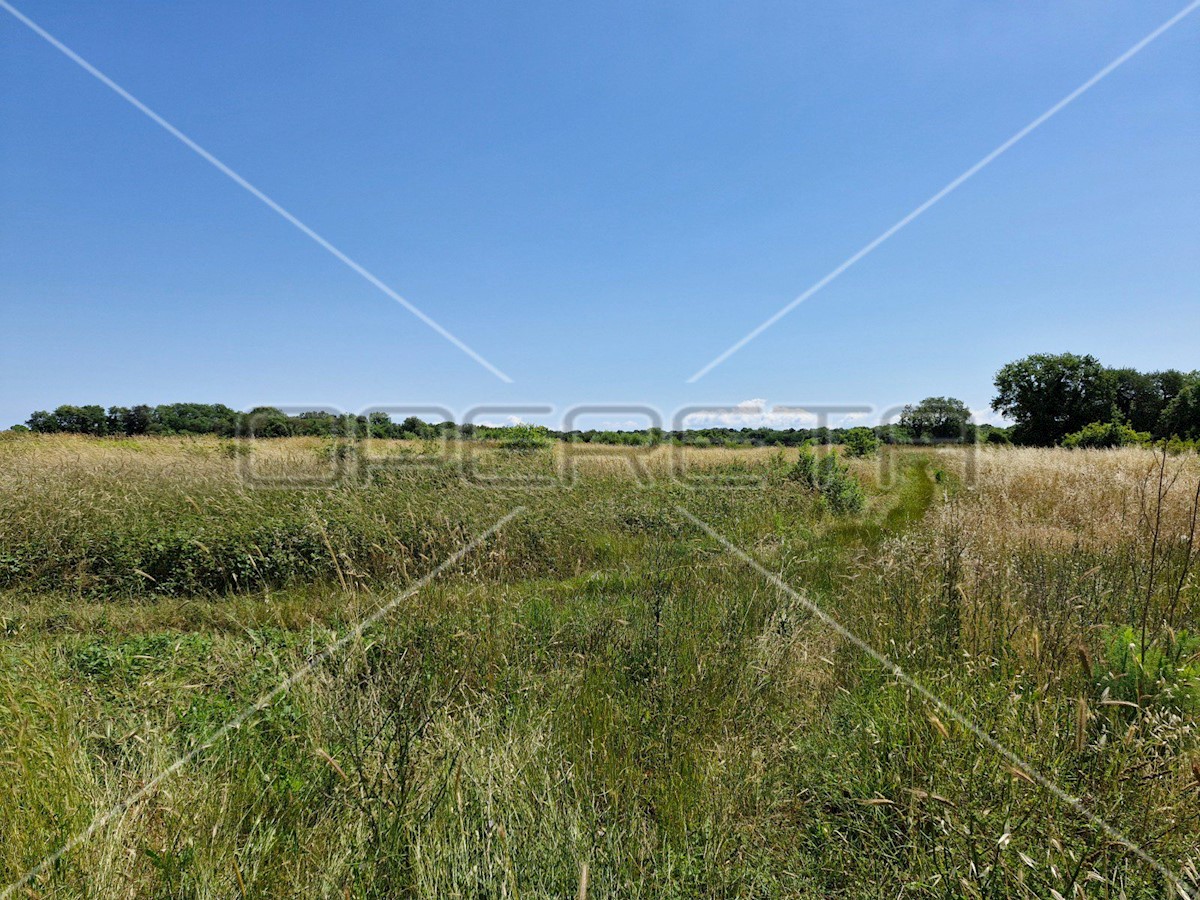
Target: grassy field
{"x":601,"y":698}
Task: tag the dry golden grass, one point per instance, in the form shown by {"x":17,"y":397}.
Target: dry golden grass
{"x":602,"y":686}
{"x":1051,"y":497}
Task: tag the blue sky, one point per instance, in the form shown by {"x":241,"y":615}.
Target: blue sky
{"x":598,"y":198}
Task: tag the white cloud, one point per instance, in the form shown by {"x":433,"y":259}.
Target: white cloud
{"x":988,"y":416}
{"x":754,"y":414}
{"x":492,"y":423}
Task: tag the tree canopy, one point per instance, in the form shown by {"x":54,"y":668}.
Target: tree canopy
{"x":1049,"y":396}
{"x":937,"y":418}
{"x":1181,"y":417}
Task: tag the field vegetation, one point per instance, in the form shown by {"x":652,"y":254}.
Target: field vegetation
{"x":1061,"y":399}
{"x":600,"y":698}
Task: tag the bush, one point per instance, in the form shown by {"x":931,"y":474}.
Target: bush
{"x":525,"y":437}
{"x":840,"y":489}
{"x":998,"y":436}
{"x":230,"y":448}
{"x":830,"y":478}
{"x":805,"y":469}
{"x":338,"y":451}
{"x":1105,"y":434}
{"x":1177,"y":446}
{"x":860,"y":442}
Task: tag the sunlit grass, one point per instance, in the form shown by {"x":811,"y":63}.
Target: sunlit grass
{"x":600,"y":685}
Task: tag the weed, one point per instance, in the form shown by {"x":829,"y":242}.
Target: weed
{"x":1165,"y":673}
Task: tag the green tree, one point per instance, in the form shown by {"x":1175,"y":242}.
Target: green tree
{"x":265,"y":421}
{"x":43,"y":422}
{"x":379,"y":425}
{"x":1181,"y":418}
{"x":1142,"y":397}
{"x":411,"y":427}
{"x":314,"y":423}
{"x":860,"y":442}
{"x":1136,"y":397}
{"x":77,"y":420}
{"x":117,"y":419}
{"x":139,"y":419}
{"x":938,"y":418}
{"x":990,"y":434}
{"x":1048,"y":396}
{"x":194,"y":418}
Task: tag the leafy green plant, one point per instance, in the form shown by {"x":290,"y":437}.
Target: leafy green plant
{"x":1100,"y":435}
{"x":840,"y":490}
{"x":997,"y":436}
{"x":338,"y":450}
{"x":831,"y":478}
{"x":805,"y":468}
{"x":1165,"y":673}
{"x":1177,"y":446}
{"x":525,"y":437}
{"x":232,"y":449}
{"x":860,"y":442}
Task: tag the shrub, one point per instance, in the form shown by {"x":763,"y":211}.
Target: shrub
{"x":838,"y":487}
{"x":778,"y":467}
{"x":830,"y":478}
{"x":525,"y":437}
{"x":1177,"y":446}
{"x":230,"y":448}
{"x":805,"y":469}
{"x":860,"y":442}
{"x":998,"y":436}
{"x":337,"y":451}
{"x":1105,"y":434}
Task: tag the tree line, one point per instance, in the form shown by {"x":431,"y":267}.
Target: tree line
{"x":1065,"y":398}
{"x":935,"y":419}
{"x":1051,"y":399}
{"x":219,"y":419}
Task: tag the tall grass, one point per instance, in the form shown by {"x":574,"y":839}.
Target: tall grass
{"x":600,"y":699}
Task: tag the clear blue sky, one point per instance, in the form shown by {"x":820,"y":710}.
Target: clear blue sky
{"x":599,"y":198}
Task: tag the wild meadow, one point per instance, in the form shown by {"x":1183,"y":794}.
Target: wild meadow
{"x":600,"y":699}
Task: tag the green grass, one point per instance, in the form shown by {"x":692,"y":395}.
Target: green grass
{"x":601,"y":685}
